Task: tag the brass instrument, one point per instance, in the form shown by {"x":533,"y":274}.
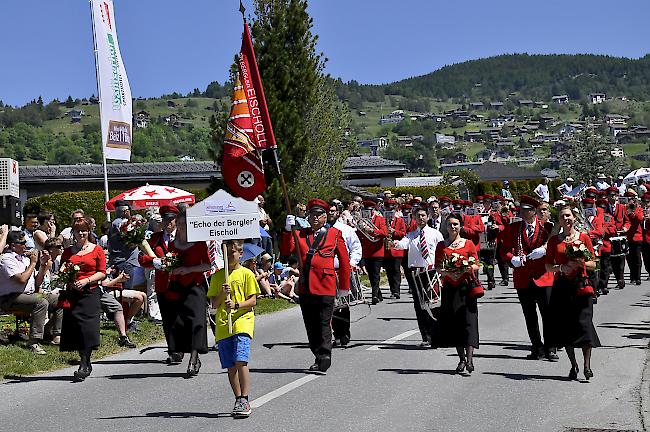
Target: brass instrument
{"x":389,"y":215}
{"x":363,"y":224}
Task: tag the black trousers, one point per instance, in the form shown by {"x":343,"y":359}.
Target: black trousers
{"x":634,"y":260}
{"x":341,"y":324}
{"x":408,"y":273}
{"x":605,"y":270}
{"x":487,"y":258}
{"x":317,"y":316}
{"x":594,"y":277}
{"x":373,"y":267}
{"x":393,"y":273}
{"x":645,"y":252}
{"x":618,"y":267}
{"x":425,"y":322}
{"x":530,"y":299}
{"x":504,"y":269}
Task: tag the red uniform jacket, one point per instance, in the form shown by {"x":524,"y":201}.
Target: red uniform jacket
{"x":609,"y":230}
{"x":501,"y":221}
{"x":412,"y":226}
{"x":472,"y":228}
{"x":645,"y":228}
{"x":371,"y":249}
{"x":620,"y":217}
{"x":598,"y":230}
{"x":534,"y":270}
{"x":399,"y":226}
{"x":322,"y":275}
{"x":160,"y":249}
{"x":635,"y":232}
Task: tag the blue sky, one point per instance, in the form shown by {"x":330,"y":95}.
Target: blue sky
{"x":171,"y":45}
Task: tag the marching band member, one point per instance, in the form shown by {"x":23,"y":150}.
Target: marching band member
{"x":501,"y":217}
{"x":645,"y":245}
{"x":472,"y":224}
{"x":605,"y":250}
{"x":373,"y":250}
{"x":411,"y":225}
{"x":572,"y":296}
{"x":341,"y":316}
{"x":393,"y":257}
{"x":617,"y":211}
{"x":421,"y":245}
{"x":458,"y":322}
{"x":634,"y":237}
{"x":596,"y":231}
{"x":524,"y":247}
{"x":317,"y":247}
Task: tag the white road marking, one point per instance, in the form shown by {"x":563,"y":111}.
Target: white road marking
{"x":282,"y":390}
{"x":394,"y":339}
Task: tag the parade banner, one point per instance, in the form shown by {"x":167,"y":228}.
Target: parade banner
{"x":223,"y":217}
{"x":114,"y":92}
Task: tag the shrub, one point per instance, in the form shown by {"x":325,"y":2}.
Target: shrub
{"x":421,"y":191}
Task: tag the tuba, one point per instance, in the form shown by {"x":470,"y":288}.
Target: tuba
{"x":363,"y":224}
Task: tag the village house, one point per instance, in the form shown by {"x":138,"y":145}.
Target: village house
{"x":496,"y":105}
{"x":560,"y":100}
{"x":171,"y":104}
{"x":472,"y":136}
{"x":615,"y":129}
{"x":541,"y":104}
{"x":597,"y":98}
{"x":141,"y":119}
{"x":476,"y":105}
{"x":405,"y":141}
{"x":445,"y":139}
{"x":616,"y":119}
{"x":527,"y":103}
{"x":617,"y":152}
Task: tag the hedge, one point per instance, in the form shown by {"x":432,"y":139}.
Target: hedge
{"x":421,"y":191}
{"x":62,"y":204}
{"x":517,"y":188}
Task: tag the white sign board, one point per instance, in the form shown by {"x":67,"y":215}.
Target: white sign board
{"x":223,"y":217}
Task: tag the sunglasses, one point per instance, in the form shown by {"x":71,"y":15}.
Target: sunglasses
{"x":317,"y":213}
{"x":21,"y":242}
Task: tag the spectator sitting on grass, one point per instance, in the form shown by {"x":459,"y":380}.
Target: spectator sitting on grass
{"x":283,"y":282}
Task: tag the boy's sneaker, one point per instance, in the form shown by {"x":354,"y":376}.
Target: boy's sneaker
{"x":242,"y":408}
{"x":124,"y":341}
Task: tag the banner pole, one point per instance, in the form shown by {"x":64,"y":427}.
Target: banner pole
{"x":99,"y":98}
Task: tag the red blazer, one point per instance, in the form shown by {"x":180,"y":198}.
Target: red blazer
{"x":374,"y":249}
{"x":472,"y":227}
{"x":635,"y":233}
{"x":645,"y":228}
{"x":609,"y":230}
{"x":533,"y":271}
{"x":620,"y":217}
{"x":159,"y":247}
{"x":399,"y":226}
{"x":323,"y":278}
{"x":412,"y":226}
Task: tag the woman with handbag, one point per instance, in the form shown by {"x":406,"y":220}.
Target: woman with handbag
{"x":457,"y":262}
{"x":570,"y":255}
{"x":80,"y":300}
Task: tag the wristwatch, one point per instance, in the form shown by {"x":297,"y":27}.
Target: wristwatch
{"x":236,"y":305}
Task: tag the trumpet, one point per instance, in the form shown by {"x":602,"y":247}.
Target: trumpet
{"x":363,"y":224}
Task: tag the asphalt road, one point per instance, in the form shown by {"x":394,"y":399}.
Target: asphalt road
{"x":376,"y":384}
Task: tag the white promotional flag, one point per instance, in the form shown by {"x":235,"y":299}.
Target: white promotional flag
{"x":114,"y":91}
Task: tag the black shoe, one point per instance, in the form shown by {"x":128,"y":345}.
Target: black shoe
{"x":588,"y":374}
{"x":461,"y":366}
{"x":124,"y":341}
{"x":637,"y":282}
{"x":469,"y":367}
{"x":503,"y":283}
{"x":595,"y":297}
{"x":374,"y":301}
{"x":345,"y":341}
{"x":604,"y":291}
{"x":490,"y":286}
{"x":573,"y":374}
{"x":620,"y":285}
{"x":82,"y":373}
{"x":175,"y":358}
{"x":193,"y":368}
{"x":552,"y":356}
{"x":316,"y":369}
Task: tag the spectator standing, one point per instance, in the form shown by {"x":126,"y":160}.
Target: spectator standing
{"x":542,"y":190}
{"x":103,"y":239}
{"x":601,"y":182}
{"x":265,"y":223}
{"x":66,"y":234}
{"x":19,"y":284}
{"x":121,"y":256}
{"x":621,"y":186}
{"x":30,"y":224}
{"x":46,"y":229}
{"x":505,"y":190}
{"x":565,"y":187}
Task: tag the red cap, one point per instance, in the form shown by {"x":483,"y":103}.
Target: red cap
{"x":444,"y":198}
{"x":646,"y":196}
{"x":588,"y":201}
{"x":316,"y":202}
{"x":528,"y":201}
{"x":602,"y":202}
{"x":500,"y":198}
{"x":488,"y":197}
{"x":601,"y":193}
{"x":370,"y":203}
{"x":468,"y":203}
{"x":414,"y":202}
{"x":630,"y":194}
{"x":390,"y":202}
{"x":169,"y":212}
{"x":612,"y":189}
{"x":407,"y":206}
{"x":457,"y":202}
{"x":479,"y":198}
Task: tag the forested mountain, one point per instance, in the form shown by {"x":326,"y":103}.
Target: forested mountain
{"x":530,"y":76}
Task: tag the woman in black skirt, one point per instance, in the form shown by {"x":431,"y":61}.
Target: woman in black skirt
{"x":572,"y":296}
{"x":185,"y":303}
{"x":80,"y":300}
{"x":458,"y":322}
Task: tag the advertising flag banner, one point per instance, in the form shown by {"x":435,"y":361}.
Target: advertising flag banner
{"x":112,"y":83}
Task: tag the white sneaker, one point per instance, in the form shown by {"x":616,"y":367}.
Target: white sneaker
{"x":37,"y":349}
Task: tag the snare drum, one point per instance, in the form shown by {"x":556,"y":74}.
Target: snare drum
{"x":619,"y":246}
{"x":357,"y":295}
{"x":427,"y":282}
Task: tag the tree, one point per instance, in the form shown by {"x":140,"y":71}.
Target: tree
{"x":589,"y":153}
{"x":69,"y":102}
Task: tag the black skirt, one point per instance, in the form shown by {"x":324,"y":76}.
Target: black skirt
{"x":457,"y":324}
{"x":572,"y":316}
{"x":80,"y":329}
{"x":184,"y":315}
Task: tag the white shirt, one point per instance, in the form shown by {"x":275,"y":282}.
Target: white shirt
{"x":411,"y":241}
{"x":542,"y":191}
{"x":564,"y":188}
{"x":526,"y":225}
{"x":601,"y":185}
{"x":352,"y":242}
{"x":622,"y":189}
{"x":11,"y":265}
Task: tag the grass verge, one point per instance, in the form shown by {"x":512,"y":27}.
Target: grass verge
{"x":17,"y":360}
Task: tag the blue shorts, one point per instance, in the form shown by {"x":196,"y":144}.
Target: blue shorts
{"x":236,"y":348}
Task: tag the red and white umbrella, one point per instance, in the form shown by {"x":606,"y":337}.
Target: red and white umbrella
{"x":151,"y":196}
